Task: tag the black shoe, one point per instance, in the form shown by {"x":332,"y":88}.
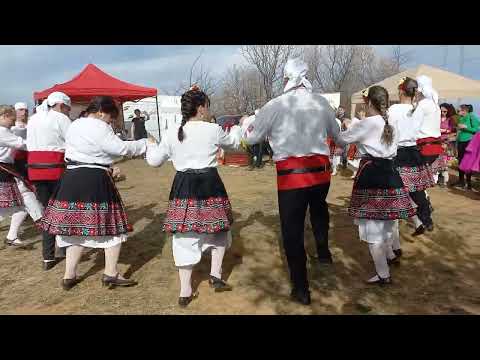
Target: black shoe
{"x":67,"y":284}
{"x":8,"y":242}
{"x":419,"y":231}
{"x":380,"y":281}
{"x":325,"y":260}
{"x":398,"y":253}
{"x":430,"y":228}
{"x":302,"y":297}
{"x":184,"y":301}
{"x":394,"y":261}
{"x":114,"y":281}
{"x":469,"y":187}
{"x":47,"y":265}
{"x":218,"y":284}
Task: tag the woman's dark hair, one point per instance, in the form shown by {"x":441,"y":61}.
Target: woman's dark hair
{"x":105,"y":104}
{"x":450,"y":109}
{"x":465,"y":107}
{"x":83,"y":114}
{"x":378,"y":97}
{"x":470,"y":108}
{"x":190,"y":102}
{"x":409,"y":87}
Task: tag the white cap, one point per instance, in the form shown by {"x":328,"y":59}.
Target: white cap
{"x":20,"y":106}
{"x":426,"y":88}
{"x":296,"y":71}
{"x":58,"y":98}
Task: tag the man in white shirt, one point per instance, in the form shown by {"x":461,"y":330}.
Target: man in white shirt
{"x":297,"y":124}
{"x":46,"y":134}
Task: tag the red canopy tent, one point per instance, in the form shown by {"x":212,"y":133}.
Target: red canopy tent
{"x":92,"y":81}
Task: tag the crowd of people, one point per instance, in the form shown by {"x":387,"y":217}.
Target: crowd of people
{"x":59,"y":173}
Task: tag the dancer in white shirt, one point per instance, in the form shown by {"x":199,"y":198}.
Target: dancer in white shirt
{"x":199,"y":213}
{"x":415,"y":172}
{"x":428,"y":138}
{"x":46,"y":134}
{"x":16,"y":193}
{"x":20,"y":164}
{"x":86,"y":210}
{"x":379,"y":196}
{"x":297,"y":124}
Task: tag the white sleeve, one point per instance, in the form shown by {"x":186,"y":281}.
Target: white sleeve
{"x":417,"y":118}
{"x":229,"y":140}
{"x":158,"y":154}
{"x":13,"y":141}
{"x":355,"y":133}
{"x":260,"y":127}
{"x":112,"y":145}
{"x":63,"y":125}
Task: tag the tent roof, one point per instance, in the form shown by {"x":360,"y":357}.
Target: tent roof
{"x":448,"y":85}
{"x":92,"y":81}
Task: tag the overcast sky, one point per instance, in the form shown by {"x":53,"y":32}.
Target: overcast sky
{"x":25,"y":69}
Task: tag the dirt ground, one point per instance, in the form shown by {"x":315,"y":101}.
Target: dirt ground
{"x":439,"y":272}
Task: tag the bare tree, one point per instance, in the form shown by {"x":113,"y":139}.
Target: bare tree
{"x":202,"y":77}
{"x":399,"y":58}
{"x":269,"y":61}
{"x":241,"y":91}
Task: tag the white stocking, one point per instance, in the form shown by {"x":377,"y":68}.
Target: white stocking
{"x":17,"y":219}
{"x":217,"y":259}
{"x":380,"y":259}
{"x":185,"y":274}
{"x":445,"y":176}
{"x":74,"y":254}
{"x":416,"y":221}
{"x":396,"y":236}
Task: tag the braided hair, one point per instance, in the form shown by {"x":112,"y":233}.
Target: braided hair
{"x":190,"y":102}
{"x":409,"y":87}
{"x":378,"y":97}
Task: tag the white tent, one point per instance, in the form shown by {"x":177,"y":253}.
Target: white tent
{"x":448,"y":85}
{"x":168,"y":109}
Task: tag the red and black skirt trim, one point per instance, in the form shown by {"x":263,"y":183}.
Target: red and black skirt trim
{"x":86,"y":202}
{"x":335,"y":150}
{"x":10,"y":195}
{"x":302,"y":172}
{"x":415,"y":173}
{"x":198,"y":202}
{"x":379,"y":193}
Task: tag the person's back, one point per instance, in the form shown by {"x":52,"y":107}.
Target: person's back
{"x":399,"y":114}
{"x":199,"y":147}
{"x":46,"y":131}
{"x":430,"y":117}
{"x":299,"y":122}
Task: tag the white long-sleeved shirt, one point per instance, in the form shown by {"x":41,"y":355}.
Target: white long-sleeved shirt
{"x":367,"y":134}
{"x":90,"y":140}
{"x":198,"y":150}
{"x":9,"y":142}
{"x":20,"y":129}
{"x":296,"y":123}
{"x":407,"y":124}
{"x":428,"y":117}
{"x":46,"y":131}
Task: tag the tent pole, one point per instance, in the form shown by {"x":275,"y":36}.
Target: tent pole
{"x":123,"y":117}
{"x":158,"y":118}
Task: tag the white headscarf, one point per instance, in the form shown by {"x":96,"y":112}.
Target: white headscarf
{"x":20,"y":106}
{"x":296,"y":71}
{"x":426,"y":88}
{"x":58,"y":98}
{"x":43,"y":107}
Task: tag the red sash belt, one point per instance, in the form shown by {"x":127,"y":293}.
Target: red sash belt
{"x":45,"y":165}
{"x":352,"y":151}
{"x":430,"y":146}
{"x":20,"y":155}
{"x":302,"y":172}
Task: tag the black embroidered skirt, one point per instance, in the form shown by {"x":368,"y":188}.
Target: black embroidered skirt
{"x":198,"y":203}
{"x":10,"y":195}
{"x":379,"y":193}
{"x":416,"y":174}
{"x":85,"y":203}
